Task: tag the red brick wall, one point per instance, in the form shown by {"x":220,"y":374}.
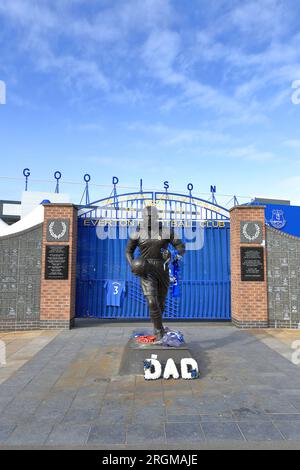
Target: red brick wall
{"x":58,"y":297}
{"x":249,"y":302}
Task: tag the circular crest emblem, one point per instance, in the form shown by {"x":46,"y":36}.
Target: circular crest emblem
{"x":248,"y":236}
{"x":57,"y":235}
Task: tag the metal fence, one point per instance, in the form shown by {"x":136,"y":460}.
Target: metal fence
{"x":204,"y":276}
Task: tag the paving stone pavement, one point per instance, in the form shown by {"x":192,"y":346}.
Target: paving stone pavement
{"x":69,"y":394}
{"x":21,"y":346}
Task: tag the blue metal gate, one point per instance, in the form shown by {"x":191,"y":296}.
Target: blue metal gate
{"x":204,"y":275}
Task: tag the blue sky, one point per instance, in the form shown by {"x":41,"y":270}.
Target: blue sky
{"x":187,"y":91}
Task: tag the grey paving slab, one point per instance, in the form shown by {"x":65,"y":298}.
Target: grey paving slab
{"x":68,"y":434}
{"x":212,"y":405}
{"x":52,"y":409}
{"x":81,"y":416}
{"x":112,"y":406}
{"x":214,"y":431}
{"x":295,"y":401}
{"x":183,"y":432}
{"x":5,"y":431}
{"x":90,"y":403}
{"x":217,"y":418}
{"x":10,"y":391}
{"x":273,"y":405}
{"x":285,"y":417}
{"x":92,"y":387}
{"x":18,"y":411}
{"x":260,"y":431}
{"x":290,"y":393}
{"x":33,"y":433}
{"x":115,"y":417}
{"x":173,"y":418}
{"x":107,"y":434}
{"x":4,"y":401}
{"x":250,"y":413}
{"x":149,"y":414}
{"x":289,"y":429}
{"x":145,"y":434}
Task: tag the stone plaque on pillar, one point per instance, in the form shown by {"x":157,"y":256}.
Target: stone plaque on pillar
{"x":251,"y":232}
{"x":58,"y":230}
{"x":252,"y":264}
{"x":57,"y":262}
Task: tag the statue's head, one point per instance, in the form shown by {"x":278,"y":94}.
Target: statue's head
{"x":150,"y":215}
{"x":150,"y":218}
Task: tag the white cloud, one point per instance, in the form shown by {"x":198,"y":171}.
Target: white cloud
{"x":293,"y":143}
{"x":264,"y":56}
{"x":159,"y":53}
{"x":76,"y":71}
{"x":87,"y":127}
{"x":199,"y":142}
{"x":178,"y":136}
{"x":31,"y":14}
{"x":290,"y":186}
{"x":250,"y":153}
{"x":260,"y":19}
{"x":113,"y":162}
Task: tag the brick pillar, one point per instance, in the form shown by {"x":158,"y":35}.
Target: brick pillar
{"x":58,"y":295}
{"x":249,"y":301}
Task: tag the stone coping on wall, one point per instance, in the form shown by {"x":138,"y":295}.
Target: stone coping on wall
{"x":60,"y":204}
{"x":283,"y":234}
{"x":22,"y":232}
{"x":254,"y":206}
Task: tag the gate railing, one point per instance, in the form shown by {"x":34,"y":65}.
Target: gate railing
{"x":205,"y":282}
{"x":170,"y":205}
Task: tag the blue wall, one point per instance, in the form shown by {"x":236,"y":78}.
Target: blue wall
{"x":291,"y":216}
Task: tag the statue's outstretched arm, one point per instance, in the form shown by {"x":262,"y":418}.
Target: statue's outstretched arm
{"x":178,"y":244}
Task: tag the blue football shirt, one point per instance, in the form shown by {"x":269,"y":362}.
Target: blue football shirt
{"x":174,"y":278}
{"x":114,"y":292}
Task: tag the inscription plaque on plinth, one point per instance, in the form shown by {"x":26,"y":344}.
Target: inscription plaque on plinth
{"x":57,"y":262}
{"x":252,"y":264}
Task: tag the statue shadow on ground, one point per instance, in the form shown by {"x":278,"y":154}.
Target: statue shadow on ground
{"x":200,"y":349}
{"x":200,"y":354}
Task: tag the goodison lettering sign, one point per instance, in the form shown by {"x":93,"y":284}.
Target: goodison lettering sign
{"x":166,"y":185}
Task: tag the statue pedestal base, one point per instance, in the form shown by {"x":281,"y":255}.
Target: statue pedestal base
{"x":135,"y":354}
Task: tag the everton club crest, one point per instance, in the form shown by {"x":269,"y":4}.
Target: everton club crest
{"x":278,"y":221}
